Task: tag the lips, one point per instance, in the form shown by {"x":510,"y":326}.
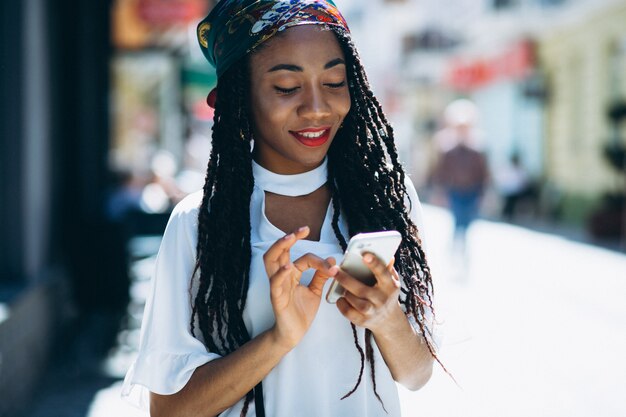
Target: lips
{"x":312,"y":137}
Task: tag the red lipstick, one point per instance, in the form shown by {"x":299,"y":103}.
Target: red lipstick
{"x":312,"y":137}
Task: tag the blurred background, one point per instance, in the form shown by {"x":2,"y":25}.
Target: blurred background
{"x":509,"y":115}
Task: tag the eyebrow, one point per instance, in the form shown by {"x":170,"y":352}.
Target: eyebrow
{"x":296,"y":68}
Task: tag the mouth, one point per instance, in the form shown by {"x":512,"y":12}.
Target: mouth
{"x":312,"y":137}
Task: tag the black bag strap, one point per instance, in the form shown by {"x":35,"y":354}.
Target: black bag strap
{"x":259,"y":406}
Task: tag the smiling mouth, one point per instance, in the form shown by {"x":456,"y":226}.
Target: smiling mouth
{"x":312,"y":137}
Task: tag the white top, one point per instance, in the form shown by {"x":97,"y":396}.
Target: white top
{"x":311,"y":379}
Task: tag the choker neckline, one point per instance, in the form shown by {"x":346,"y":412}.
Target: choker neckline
{"x":290,"y":185}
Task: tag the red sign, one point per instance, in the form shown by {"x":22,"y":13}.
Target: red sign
{"x":470,"y":74}
{"x":202,"y":111}
{"x":168,"y":12}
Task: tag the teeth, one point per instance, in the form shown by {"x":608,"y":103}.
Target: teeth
{"x":312,"y":134}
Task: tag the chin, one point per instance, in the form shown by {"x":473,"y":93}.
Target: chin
{"x":309,"y":163}
{"x":314,"y":159}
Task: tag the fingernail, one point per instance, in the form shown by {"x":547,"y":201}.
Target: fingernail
{"x":302,"y":229}
{"x":287,"y":267}
{"x":333,"y":269}
{"x":289,"y":236}
{"x":368,"y":257}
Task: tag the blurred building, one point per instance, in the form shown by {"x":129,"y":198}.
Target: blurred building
{"x":53,"y":141}
{"x":437,"y":52}
{"x":61,"y":255}
{"x":159,"y":80}
{"x":584,"y":57}
{"x":546,"y":76}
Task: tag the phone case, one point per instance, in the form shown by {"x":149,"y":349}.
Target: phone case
{"x":382,"y":244}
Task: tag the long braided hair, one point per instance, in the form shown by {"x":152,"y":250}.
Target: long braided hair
{"x":366,"y":181}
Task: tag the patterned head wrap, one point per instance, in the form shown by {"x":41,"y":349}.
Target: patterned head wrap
{"x":236,"y":27}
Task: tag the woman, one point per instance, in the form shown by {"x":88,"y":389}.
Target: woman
{"x":262,"y":239}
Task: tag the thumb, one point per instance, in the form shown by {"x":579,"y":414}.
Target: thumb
{"x":319,"y":279}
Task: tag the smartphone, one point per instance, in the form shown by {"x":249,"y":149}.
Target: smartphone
{"x":382,"y":244}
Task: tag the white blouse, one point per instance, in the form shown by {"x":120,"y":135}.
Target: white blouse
{"x":311,"y":379}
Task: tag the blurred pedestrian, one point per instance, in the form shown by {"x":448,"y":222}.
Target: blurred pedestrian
{"x":234,"y":324}
{"x":124,"y":196}
{"x":461,"y":170}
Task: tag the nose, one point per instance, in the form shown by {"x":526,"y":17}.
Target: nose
{"x":315,"y":105}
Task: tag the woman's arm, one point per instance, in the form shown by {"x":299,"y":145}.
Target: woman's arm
{"x":377,"y":308}
{"x":405,"y":352}
{"x":219,"y":384}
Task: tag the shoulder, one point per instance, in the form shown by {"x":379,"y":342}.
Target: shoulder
{"x":190,"y":205}
{"x":185,"y":213}
{"x":180,"y":237}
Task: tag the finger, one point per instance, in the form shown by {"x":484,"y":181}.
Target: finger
{"x":316,"y":286}
{"x":319,"y":279}
{"x":302,"y":232}
{"x":394,"y":275}
{"x":278,"y":280}
{"x":379,"y":269}
{"x":351,"y":284}
{"x":359,"y":304}
{"x":284,"y":258}
{"x":278,"y":249}
{"x":276,"y":252}
{"x":349,"y":312}
{"x":392,"y":270}
{"x":310,"y":260}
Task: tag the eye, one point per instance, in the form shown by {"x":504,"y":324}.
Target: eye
{"x":285,"y":91}
{"x":336,"y":85}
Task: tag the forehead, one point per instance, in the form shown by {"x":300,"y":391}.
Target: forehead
{"x":300,"y":45}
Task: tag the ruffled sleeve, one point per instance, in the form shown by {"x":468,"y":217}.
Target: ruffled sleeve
{"x":168,"y":352}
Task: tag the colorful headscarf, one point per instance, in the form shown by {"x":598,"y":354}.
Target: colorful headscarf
{"x":236,"y":27}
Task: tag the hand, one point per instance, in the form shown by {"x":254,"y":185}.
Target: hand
{"x":294,"y":305}
{"x":375,"y":308}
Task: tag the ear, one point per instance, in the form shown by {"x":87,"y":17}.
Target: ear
{"x":212,"y":98}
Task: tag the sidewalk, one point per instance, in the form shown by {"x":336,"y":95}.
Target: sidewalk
{"x":533,"y":325}
{"x":85,"y":377}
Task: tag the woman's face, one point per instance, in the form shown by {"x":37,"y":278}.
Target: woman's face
{"x":299,"y":98}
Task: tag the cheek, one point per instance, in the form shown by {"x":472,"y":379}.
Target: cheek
{"x":276,"y":115}
{"x":343,"y":105}
{"x":269,"y":116}
{"x":260,"y":108}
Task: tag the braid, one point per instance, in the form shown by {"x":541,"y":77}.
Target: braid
{"x":370,"y":354}
{"x":369,"y":183}
{"x":358,"y":346}
{"x":223,"y":265}
{"x":336,"y":208}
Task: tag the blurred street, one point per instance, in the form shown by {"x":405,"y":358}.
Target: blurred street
{"x":510,"y":110}
{"x":535,"y":328}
